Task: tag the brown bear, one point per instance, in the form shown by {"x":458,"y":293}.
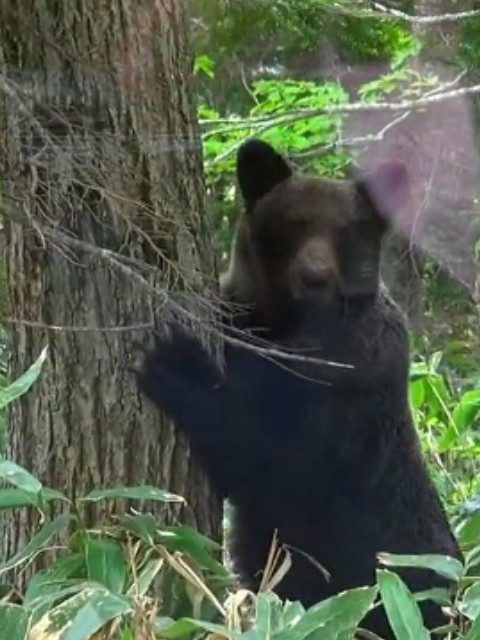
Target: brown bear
{"x":326,"y":455}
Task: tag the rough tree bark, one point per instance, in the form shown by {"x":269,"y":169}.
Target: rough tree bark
{"x":103,"y":191}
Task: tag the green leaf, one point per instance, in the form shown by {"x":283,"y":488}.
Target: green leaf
{"x":14,"y":498}
{"x":402,"y":611}
{"x":54,"y":593}
{"x":445,"y":566}
{"x":19,"y":476}
{"x":474,"y":631}
{"x":191,"y":541}
{"x":38,"y":542}
{"x":142,"y":525}
{"x":14,"y":622}
{"x":190,"y":624}
{"x":416,"y":391}
{"x":80,"y":616}
{"x":441,"y":596}
{"x":51,"y":579}
{"x":292,"y":611}
{"x":98,"y":610}
{"x":105,"y":563}
{"x":268,"y":614}
{"x":24,"y":382}
{"x":470,"y":604}
{"x":468,"y":530}
{"x":183,"y":628}
{"x":205,"y":64}
{"x":467,"y":410}
{"x":334,"y":618}
{"x":132,"y":493}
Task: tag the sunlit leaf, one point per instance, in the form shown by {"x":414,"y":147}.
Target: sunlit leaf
{"x":446,"y":566}
{"x":98,"y":610}
{"x":38,"y":542}
{"x":22,"y":384}
{"x":132,"y":493}
{"x":13,"y":498}
{"x":18,"y":476}
{"x":82,"y":615}
{"x":467,"y":409}
{"x":332,"y":618}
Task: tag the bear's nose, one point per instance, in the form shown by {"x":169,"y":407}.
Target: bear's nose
{"x":312,"y":272}
{"x":314,"y":282}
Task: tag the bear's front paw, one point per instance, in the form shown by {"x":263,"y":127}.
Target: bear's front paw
{"x":178,"y":372}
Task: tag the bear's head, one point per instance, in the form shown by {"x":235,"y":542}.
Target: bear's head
{"x":307,"y":242}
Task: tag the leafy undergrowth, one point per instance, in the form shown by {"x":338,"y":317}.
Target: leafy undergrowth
{"x":104,"y":583}
{"x":134,"y":579}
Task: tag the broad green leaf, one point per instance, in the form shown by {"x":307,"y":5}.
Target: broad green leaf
{"x":22,"y":384}
{"x":14,"y":622}
{"x":416,"y":391}
{"x":443,"y":597}
{"x":191,"y":541}
{"x":98,"y":610}
{"x":468,"y":530}
{"x":292,"y":612}
{"x":51,"y":579}
{"x":334,"y":618}
{"x":56,"y":592}
{"x":142,"y":525}
{"x":105,"y":563}
{"x":402,"y":611}
{"x":81,"y":615}
{"x":19,"y":476}
{"x":445,"y":566}
{"x":474,"y":631}
{"x":268,"y":614}
{"x":38,"y":542}
{"x":470,"y":603}
{"x":132,"y":493}
{"x":183,"y":628}
{"x":13,"y":498}
{"x":467,"y":409}
{"x":419,"y":371}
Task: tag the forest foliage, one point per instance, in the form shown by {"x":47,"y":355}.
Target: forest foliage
{"x":259,"y":69}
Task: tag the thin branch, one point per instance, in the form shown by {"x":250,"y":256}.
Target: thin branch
{"x":73,"y":328}
{"x":115,"y":261}
{"x":352,"y":142}
{"x":425,"y":20}
{"x":265,"y":123}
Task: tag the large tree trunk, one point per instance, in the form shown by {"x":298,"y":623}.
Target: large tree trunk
{"x":104,"y":195}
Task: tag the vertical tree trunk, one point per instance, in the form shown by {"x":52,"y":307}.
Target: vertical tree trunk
{"x":103,"y":190}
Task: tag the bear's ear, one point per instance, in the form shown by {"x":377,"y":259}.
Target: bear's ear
{"x":386,"y":189}
{"x":380,"y":198}
{"x":259,"y":169}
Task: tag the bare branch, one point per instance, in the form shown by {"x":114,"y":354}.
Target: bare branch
{"x":117,"y":262}
{"x":424,"y":20}
{"x":352,"y":142}
{"x":264,"y":123}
